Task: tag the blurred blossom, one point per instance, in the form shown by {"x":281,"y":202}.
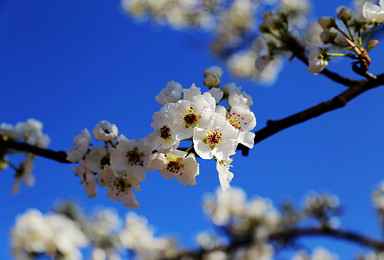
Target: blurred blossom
{"x":317,"y":254}
{"x":137,"y":235}
{"x":323,"y":207}
{"x":51,"y":234}
{"x":255,"y":252}
{"x":225,"y":204}
{"x":207,"y":240}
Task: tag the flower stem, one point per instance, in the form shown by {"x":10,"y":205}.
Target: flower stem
{"x":187,"y":151}
{"x":369,"y":34}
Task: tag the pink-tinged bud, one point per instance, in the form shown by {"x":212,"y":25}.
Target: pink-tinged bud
{"x":327,"y":22}
{"x":371,"y":44}
{"x":344,"y":13}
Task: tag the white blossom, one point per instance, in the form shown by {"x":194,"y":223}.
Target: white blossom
{"x":87,"y":179}
{"x":24,"y":173}
{"x":212,"y":76}
{"x":243,"y":120}
{"x":316,"y":61}
{"x":52,"y":234}
{"x":164,"y":138}
{"x":225,"y":205}
{"x":217,"y":140}
{"x":225,"y":176}
{"x":187,"y":114}
{"x":105,"y":131}
{"x":176,"y":164}
{"x":119,"y":186}
{"x":30,"y":131}
{"x":171,"y":93}
{"x":131,"y":156}
{"x":81,"y":143}
{"x":373,"y":13}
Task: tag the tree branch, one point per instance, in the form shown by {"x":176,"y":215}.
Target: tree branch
{"x":59,"y":156}
{"x":274,"y":126}
{"x":299,"y":52}
{"x":350,"y":236}
{"x":288,"y":236}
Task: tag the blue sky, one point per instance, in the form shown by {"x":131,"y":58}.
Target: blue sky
{"x":73,"y":63}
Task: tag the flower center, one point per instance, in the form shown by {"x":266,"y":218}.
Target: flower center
{"x":213,"y":138}
{"x":105,"y":160}
{"x":191,"y":119}
{"x":174,"y":165}
{"x":235,"y":120}
{"x":120,"y":185}
{"x":135,"y":157}
{"x":165,"y":132}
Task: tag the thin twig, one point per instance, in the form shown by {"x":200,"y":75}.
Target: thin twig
{"x":274,"y":126}
{"x":59,"y":156}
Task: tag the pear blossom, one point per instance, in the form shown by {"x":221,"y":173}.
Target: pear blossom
{"x":373,"y":13}
{"x":244,"y":120}
{"x":139,"y":237}
{"x":217,"y":140}
{"x":98,"y":157}
{"x":212,"y":76}
{"x":225,"y":204}
{"x":316,"y":61}
{"x":187,"y":114}
{"x":81,"y":143}
{"x":164,"y":137}
{"x":230,"y":88}
{"x":217,"y":94}
{"x":34,"y":134}
{"x":87,"y":179}
{"x":240,"y":99}
{"x":225,"y":176}
{"x":131,"y":156}
{"x":105,"y":131}
{"x":17,"y":132}
{"x":119,"y":186}
{"x":31,"y":131}
{"x":24,"y":173}
{"x":52,"y":234}
{"x":189,"y":93}
{"x":176,"y":164}
{"x":171,"y":93}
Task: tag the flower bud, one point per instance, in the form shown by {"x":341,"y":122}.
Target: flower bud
{"x":371,"y":44}
{"x":344,"y":13}
{"x":212,"y":76}
{"x":328,"y":36}
{"x":327,"y":22}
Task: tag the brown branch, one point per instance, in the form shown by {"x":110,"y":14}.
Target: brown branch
{"x":298,"y":51}
{"x":350,"y":236}
{"x":288,"y":236}
{"x":274,"y":126}
{"x":59,"y":156}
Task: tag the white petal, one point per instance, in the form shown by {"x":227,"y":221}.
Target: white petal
{"x":129,"y":200}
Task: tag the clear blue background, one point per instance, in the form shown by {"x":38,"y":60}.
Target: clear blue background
{"x":73,"y":63}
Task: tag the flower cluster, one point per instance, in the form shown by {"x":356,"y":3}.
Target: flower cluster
{"x":346,"y":32}
{"x":29,"y":132}
{"x":51,"y":234}
{"x":233,"y":24}
{"x":248,"y":229}
{"x":188,"y":116}
{"x":260,"y":54}
{"x":62,"y":235}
